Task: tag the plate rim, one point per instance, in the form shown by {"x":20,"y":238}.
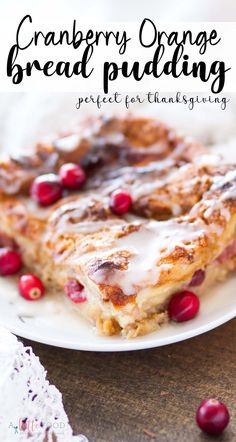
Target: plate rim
{"x":127,"y":345}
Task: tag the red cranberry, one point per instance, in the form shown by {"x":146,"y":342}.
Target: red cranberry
{"x":183,"y":306}
{"x":10,"y":261}
{"x":212,"y":416}
{"x":72,"y":176}
{"x":197,"y":278}
{"x":46,"y":189}
{"x":120,"y":202}
{"x":31,"y":287}
{"x":75,"y":291}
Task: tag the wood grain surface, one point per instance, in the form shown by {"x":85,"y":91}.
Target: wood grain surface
{"x":148,"y":395}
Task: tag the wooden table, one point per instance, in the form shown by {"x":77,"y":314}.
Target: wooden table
{"x":146,"y":395}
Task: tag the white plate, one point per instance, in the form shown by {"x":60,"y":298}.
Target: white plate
{"x":51,"y":323}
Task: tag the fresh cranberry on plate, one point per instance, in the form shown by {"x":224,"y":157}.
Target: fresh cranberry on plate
{"x":31,"y":287}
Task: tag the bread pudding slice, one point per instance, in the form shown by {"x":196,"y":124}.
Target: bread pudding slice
{"x":182,"y":220}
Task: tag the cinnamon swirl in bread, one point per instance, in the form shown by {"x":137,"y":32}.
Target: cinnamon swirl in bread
{"x":182,"y":219}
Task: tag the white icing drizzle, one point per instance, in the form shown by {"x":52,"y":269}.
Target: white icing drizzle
{"x":152,"y":242}
{"x":220,"y":181}
{"x":230,"y":194}
{"x":216,"y":205}
{"x":69,"y":219}
{"x":145,"y":189}
{"x":68,"y":143}
{"x":144,"y":180}
{"x":84,"y":227}
{"x":27,"y":206}
{"x":115,"y":138}
{"x":208,"y":159}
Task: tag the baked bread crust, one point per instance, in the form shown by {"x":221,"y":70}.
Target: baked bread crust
{"x":183,"y":219}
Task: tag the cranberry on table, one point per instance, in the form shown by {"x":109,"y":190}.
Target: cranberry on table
{"x":183,"y":306}
{"x":120,"y":202}
{"x":10,"y":261}
{"x":75,"y":291}
{"x":197,"y":278}
{"x":31,"y":287}
{"x":46,"y":189}
{"x":212,"y":416}
{"x":72,"y":176}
